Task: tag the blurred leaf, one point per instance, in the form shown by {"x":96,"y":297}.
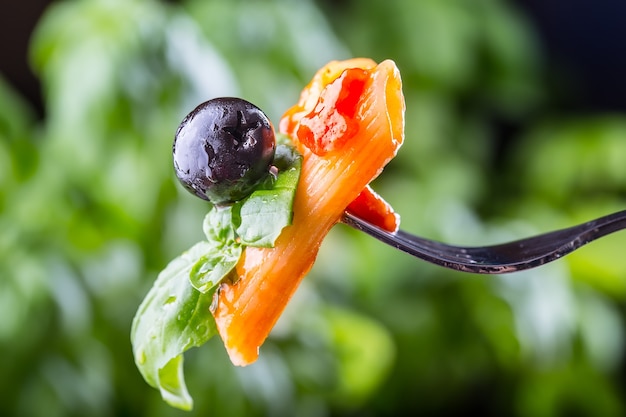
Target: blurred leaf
{"x":276,"y":55}
{"x":18,"y":152}
{"x":576,"y":389}
{"x":512,"y":59}
{"x":364,"y":352}
{"x":16,"y":118}
{"x":568,"y":161}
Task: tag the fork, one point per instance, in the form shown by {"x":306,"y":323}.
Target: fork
{"x":496,"y":259}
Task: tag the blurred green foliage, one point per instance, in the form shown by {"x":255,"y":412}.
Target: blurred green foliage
{"x":90,"y":212}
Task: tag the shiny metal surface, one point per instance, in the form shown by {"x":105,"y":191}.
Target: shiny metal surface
{"x":496,"y":259}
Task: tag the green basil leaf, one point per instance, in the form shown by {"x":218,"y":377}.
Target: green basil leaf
{"x":211,"y":268}
{"x":175,"y":315}
{"x":264,"y":214}
{"x":218,"y":225}
{"x":173,"y":318}
{"x":224,"y":252}
{"x":286,"y":154}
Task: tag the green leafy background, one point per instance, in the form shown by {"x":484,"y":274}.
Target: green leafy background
{"x":90,"y":212}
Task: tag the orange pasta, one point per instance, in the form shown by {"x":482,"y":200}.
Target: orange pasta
{"x":348,"y":124}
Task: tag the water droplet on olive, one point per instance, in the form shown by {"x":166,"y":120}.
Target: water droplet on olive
{"x":223,"y":149}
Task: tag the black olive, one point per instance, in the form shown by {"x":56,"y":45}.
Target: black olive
{"x":223,"y":149}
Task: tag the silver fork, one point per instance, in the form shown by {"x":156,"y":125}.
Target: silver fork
{"x":496,"y":259}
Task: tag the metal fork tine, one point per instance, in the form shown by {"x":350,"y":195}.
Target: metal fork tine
{"x":496,"y":259}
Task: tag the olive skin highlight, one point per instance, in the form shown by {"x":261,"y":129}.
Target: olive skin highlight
{"x":223,"y":149}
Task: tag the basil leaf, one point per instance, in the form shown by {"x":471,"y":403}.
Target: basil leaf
{"x":264,"y":214}
{"x":173,"y":318}
{"x":286,"y":154}
{"x":207,"y":273}
{"x":175,"y":315}
{"x":218,"y":225}
{"x":224,"y":252}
